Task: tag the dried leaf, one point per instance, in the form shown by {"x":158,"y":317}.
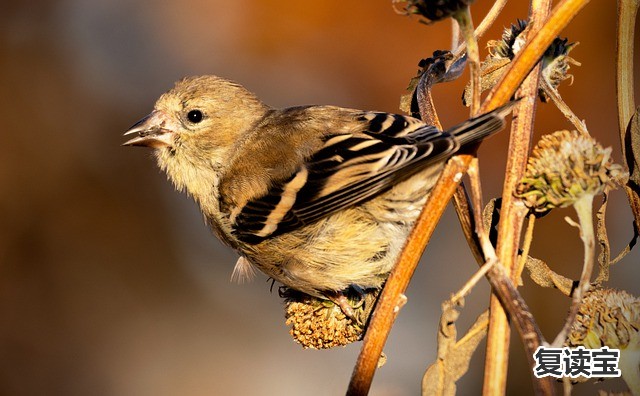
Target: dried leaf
{"x":453,"y":356}
{"x":544,"y":276}
{"x":491,"y":217}
{"x":604,"y":258}
{"x":630,"y":245}
{"x":441,"y":67}
{"x":632,"y":149}
{"x":407,"y":99}
{"x":632,"y":154}
{"x":490,"y":72}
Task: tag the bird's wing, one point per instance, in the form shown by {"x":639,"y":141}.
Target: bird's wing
{"x":347,"y":169}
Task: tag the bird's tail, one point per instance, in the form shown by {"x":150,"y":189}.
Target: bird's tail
{"x":478,"y":128}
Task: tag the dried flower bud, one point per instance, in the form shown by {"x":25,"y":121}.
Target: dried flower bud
{"x":555,"y":61}
{"x":607,"y":317}
{"x":433,"y":10}
{"x":320,"y":324}
{"x":563,"y":167}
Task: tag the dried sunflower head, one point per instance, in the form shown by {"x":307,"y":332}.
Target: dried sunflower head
{"x":555,"y":61}
{"x":609,"y":318}
{"x":433,"y":10}
{"x":320,"y":324}
{"x":511,"y":41}
{"x":555,"y":64}
{"x":564,"y":166}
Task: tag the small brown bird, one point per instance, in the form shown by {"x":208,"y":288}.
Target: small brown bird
{"x":320,"y":198}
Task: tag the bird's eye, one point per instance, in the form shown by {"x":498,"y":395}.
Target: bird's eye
{"x":195,"y":116}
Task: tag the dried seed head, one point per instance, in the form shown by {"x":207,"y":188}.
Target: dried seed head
{"x":565,"y":166}
{"x":320,"y":324}
{"x":555,"y":64}
{"x":555,"y":61}
{"x":607,"y":317}
{"x":433,"y":10}
{"x":511,"y":41}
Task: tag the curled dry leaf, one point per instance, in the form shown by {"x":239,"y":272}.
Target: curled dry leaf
{"x":544,"y":276}
{"x":453,"y":355}
{"x":439,"y":68}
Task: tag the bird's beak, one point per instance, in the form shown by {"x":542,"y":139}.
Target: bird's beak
{"x":154,"y":130}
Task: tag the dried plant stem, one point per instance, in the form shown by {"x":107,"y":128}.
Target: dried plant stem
{"x":584,"y":209}
{"x":387,"y":307}
{"x":482,"y":28}
{"x":473,"y":55}
{"x":539,"y":39}
{"x":552,"y":93}
{"x":463,"y":210}
{"x":507,"y":294}
{"x":455,"y":34}
{"x":526,"y":246}
{"x":509,"y":230}
{"x":485,"y":244}
{"x":627,"y":10}
{"x":629,"y":368}
{"x":475,"y":278}
{"x":504,"y":288}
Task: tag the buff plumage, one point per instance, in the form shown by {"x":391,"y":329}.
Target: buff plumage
{"x":319,"y":198}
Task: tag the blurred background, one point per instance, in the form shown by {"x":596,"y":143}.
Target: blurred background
{"x":110,"y":284}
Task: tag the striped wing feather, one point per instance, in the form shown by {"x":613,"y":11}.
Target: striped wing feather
{"x":348,"y":169}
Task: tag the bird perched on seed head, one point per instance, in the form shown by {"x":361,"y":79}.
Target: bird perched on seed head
{"x":320,"y":198}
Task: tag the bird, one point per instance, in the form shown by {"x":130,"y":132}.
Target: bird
{"x":320,"y":198}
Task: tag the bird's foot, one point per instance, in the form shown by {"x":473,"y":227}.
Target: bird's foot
{"x":346,"y":306}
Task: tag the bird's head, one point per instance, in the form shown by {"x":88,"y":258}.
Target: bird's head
{"x":193,"y":128}
{"x":198,"y":115}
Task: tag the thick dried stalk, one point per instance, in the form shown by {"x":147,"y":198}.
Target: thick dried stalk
{"x":530,"y":334}
{"x":627,"y":10}
{"x":512,"y":216}
{"x":523,"y":320}
{"x":387,"y":306}
{"x":584,"y":209}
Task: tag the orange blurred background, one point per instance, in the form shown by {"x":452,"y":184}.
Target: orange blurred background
{"x":110,"y":283}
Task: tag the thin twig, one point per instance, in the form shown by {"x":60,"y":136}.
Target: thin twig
{"x":463,"y":210}
{"x":526,"y":246}
{"x":482,"y":28}
{"x":507,"y":293}
{"x":455,"y":34}
{"x":473,"y":55}
{"x":476,"y":200}
{"x":553,"y":94}
{"x":470,"y":284}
